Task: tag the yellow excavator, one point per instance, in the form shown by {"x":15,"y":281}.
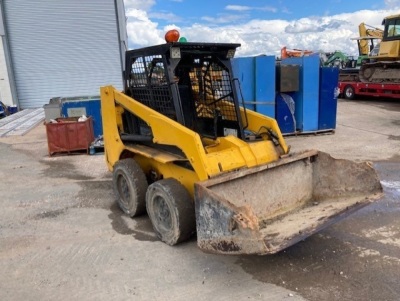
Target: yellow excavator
{"x":368,"y":35}
{"x":367,"y":41}
{"x":384,"y":65}
{"x":183,"y":147}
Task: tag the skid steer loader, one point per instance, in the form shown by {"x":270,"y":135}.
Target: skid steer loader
{"x":182,"y":146}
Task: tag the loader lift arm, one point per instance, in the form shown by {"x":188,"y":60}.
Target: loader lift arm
{"x":200,"y":153}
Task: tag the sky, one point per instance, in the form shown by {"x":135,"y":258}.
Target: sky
{"x":261,"y":27}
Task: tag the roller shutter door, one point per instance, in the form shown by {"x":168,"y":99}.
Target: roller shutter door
{"x":62,"y":48}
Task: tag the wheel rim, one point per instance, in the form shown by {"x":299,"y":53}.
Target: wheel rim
{"x":123,"y":190}
{"x":162,"y":213}
{"x":349,"y":92}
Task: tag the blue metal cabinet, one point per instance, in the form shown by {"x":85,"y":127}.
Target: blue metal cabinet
{"x":329,"y":77}
{"x":90,"y":107}
{"x":307,"y":98}
{"x":244,"y":71}
{"x":265,"y":85}
{"x":256,"y":76}
{"x":285,"y":113}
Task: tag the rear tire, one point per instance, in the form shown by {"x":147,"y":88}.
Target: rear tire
{"x":130,"y":187}
{"x":171,"y":211}
{"x":349,"y":92}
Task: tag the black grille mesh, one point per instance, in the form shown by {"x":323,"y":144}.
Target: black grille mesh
{"x":203,"y":85}
{"x":212,"y":91}
{"x":149,"y":85}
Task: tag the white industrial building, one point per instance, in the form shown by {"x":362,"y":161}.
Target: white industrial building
{"x":63,"y":48}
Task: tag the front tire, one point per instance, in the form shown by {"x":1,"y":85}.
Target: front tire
{"x":349,"y":92}
{"x":171,"y":211}
{"x":130,"y":185}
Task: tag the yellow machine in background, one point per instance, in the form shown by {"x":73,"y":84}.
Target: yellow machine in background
{"x":384,"y":65}
{"x":366,"y":39}
{"x":183,"y":148}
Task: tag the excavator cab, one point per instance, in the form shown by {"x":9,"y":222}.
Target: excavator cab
{"x":390,"y":46}
{"x":392,"y":28}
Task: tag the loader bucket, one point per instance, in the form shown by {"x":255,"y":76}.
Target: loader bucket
{"x":266,"y":209}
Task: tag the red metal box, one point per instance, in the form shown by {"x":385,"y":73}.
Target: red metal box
{"x":69,"y":134}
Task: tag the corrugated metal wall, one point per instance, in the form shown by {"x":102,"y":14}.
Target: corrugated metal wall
{"x":62,"y":48}
{"x":5,"y":91}
{"x":5,"y":87}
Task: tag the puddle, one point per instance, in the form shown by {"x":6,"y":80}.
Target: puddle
{"x":99,"y":194}
{"x":390,"y":179}
{"x":142,"y":231}
{"x":391,"y":185}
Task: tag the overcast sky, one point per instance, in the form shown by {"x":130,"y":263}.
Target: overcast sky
{"x":261,"y":26}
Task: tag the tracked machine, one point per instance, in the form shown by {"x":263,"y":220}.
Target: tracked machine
{"x":384,"y":60}
{"x":182,"y":147}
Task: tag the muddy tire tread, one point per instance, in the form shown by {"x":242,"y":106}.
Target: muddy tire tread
{"x":137,"y":183}
{"x":181,"y":207}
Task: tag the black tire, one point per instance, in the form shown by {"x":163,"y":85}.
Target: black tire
{"x":171,"y":211}
{"x":349,"y":92}
{"x":130,"y":186}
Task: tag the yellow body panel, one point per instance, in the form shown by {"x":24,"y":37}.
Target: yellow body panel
{"x":152,"y":153}
{"x":208,"y":158}
{"x":389,"y":50}
{"x":168,"y":170}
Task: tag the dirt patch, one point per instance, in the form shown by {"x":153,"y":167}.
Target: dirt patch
{"x":391,"y":137}
{"x":50,"y":214}
{"x":395,"y":159}
{"x":96,"y":194}
{"x":63,"y":169}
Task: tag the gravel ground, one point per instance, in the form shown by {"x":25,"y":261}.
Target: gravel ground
{"x":62,"y":236}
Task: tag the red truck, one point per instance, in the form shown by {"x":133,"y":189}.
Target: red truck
{"x":351,"y":89}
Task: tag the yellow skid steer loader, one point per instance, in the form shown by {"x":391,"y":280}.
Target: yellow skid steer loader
{"x":183,"y":147}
